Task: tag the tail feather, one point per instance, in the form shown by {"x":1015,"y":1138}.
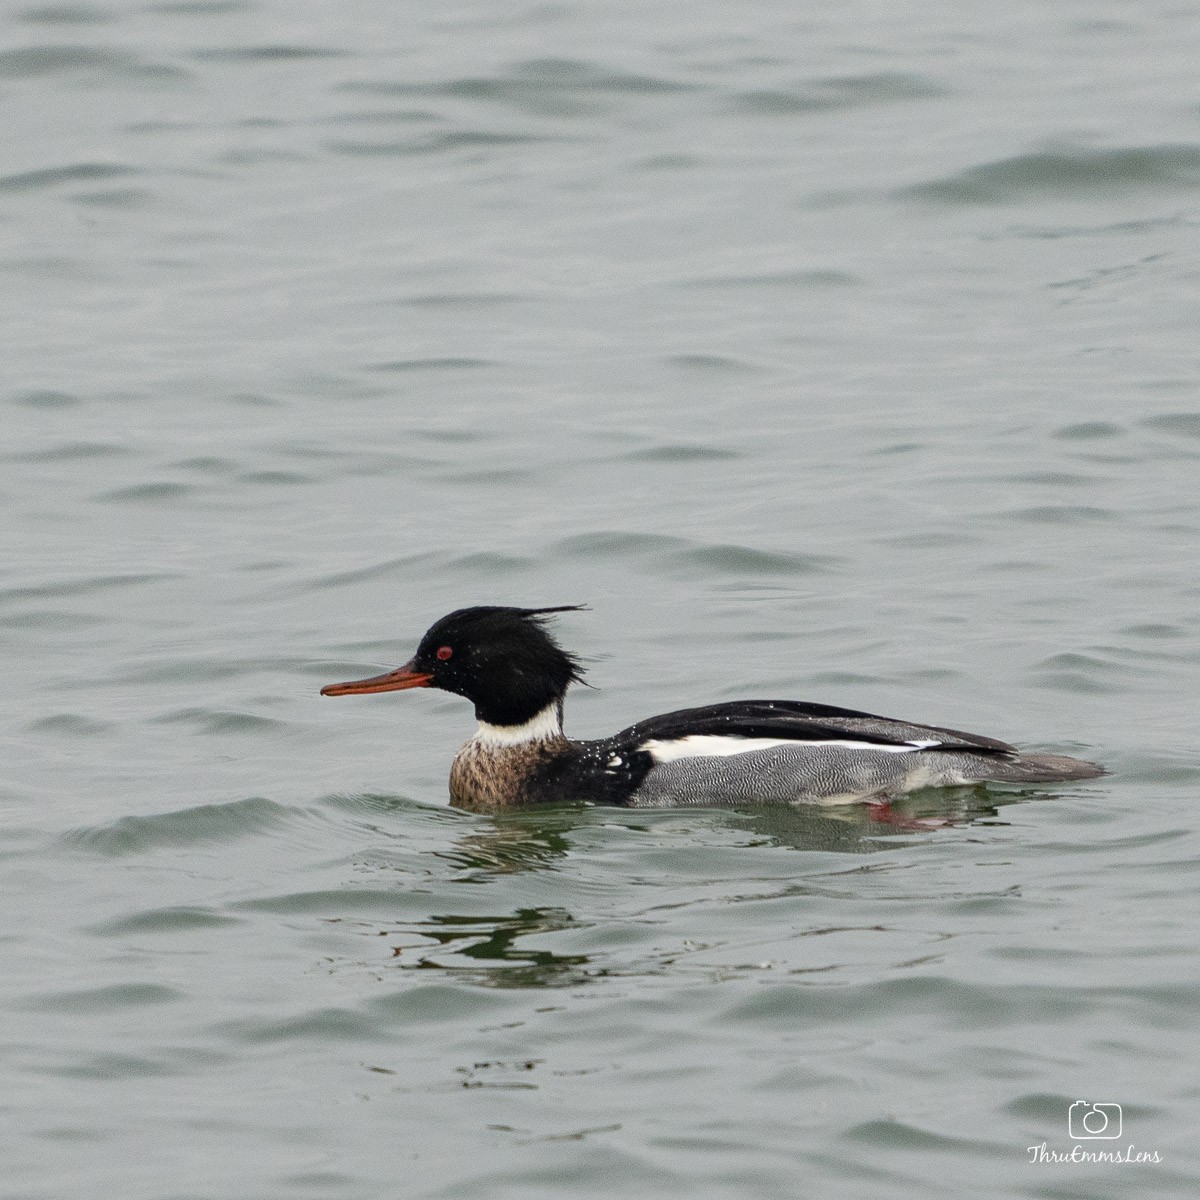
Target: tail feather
{"x":1039,"y":768}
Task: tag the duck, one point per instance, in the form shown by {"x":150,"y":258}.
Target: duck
{"x":507,"y":662}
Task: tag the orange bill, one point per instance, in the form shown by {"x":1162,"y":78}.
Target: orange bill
{"x":393,"y":681}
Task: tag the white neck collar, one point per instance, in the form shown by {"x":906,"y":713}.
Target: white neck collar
{"x":543,"y":727}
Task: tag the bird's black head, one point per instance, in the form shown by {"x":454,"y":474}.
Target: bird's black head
{"x":501,"y":659}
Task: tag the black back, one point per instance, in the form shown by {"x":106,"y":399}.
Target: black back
{"x":799,"y":721}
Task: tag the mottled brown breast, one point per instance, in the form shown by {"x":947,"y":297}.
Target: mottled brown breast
{"x":486,"y":777}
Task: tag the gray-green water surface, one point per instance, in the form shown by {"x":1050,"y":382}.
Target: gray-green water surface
{"x":843,"y":352}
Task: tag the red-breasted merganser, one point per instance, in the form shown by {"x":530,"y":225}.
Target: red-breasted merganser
{"x":506,"y":663}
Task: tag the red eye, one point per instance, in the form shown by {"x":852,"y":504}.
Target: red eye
{"x":444,"y":652}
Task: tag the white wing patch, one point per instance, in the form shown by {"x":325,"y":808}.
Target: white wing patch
{"x":714,"y":745}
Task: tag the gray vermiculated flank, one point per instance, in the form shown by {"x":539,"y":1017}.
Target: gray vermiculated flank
{"x":816,"y":774}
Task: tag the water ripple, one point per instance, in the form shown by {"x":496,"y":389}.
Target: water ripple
{"x":104,"y":999}
{"x":892,"y":1134}
{"x":815,"y":277}
{"x":201,"y":8}
{"x":320,"y":1025}
{"x":1063,"y":514}
{"x":81,"y":587}
{"x":47,"y":177}
{"x":156,"y":492}
{"x":184,"y":827}
{"x":164,"y":920}
{"x":545,"y":86}
{"x":384,"y":904}
{"x":219,"y":721}
{"x":437,"y":143}
{"x":65,"y":14}
{"x":1182,"y":424}
{"x":1088,"y":431}
{"x":35,"y":61}
{"x":1084,"y":173}
{"x":659,"y":552}
{"x":70,"y":724}
{"x":823,"y":95}
{"x":681,"y":452}
{"x":260,"y":54}
{"x":712,"y":364}
{"x":432,"y":364}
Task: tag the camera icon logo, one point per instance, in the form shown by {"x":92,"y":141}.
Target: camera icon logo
{"x":1086,"y":1121}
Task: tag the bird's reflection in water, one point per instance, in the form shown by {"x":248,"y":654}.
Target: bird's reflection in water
{"x":513,"y":842}
{"x":493,"y":951}
{"x":536,"y":839}
{"x":869,"y":828}
{"x":489,"y":953}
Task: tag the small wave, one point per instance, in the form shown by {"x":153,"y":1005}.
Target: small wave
{"x":548,"y":86}
{"x":50,"y":619}
{"x":107,"y":1067}
{"x":576,"y":74}
{"x":384,"y":904}
{"x":679,"y":553}
{"x":745,"y":560}
{"x":152,"y":493}
{"x":1088,"y":431}
{"x":432,"y":364}
{"x":115,"y":198}
{"x":1082,"y":674}
{"x":711,"y":364}
{"x":383,"y":116}
{"x":490,"y":563}
{"x":104,"y":999}
{"x":681,"y":452}
{"x":437,"y":1003}
{"x":47,"y":399}
{"x":275,"y":478}
{"x":30,"y":62}
{"x":321,"y":1025}
{"x":959,"y":1004}
{"x":893,"y":1134}
{"x":201,"y":8}
{"x":1084,"y":173}
{"x":70,"y":725}
{"x":1047,"y":1107}
{"x":1169,"y":768}
{"x":1062,"y":514}
{"x":71,"y":452}
{"x":208,"y":720}
{"x":823,"y":95}
{"x":814,"y":277}
{"x":1183,"y":424}
{"x":47,"y":177}
{"x":668,"y":162}
{"x":257,"y":54}
{"x":1075,"y":682}
{"x":436,"y":143}
{"x":65,"y":14}
{"x":185,"y":827}
{"x":164,"y":920}
{"x":194,"y":670}
{"x":375,"y":571}
{"x":81,"y":587}
{"x":453,"y":300}
{"x":1155,"y":630}
{"x":498,"y":476}
{"x":1072,"y":660}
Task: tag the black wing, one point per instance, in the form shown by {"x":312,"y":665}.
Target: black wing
{"x":802,"y":722}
